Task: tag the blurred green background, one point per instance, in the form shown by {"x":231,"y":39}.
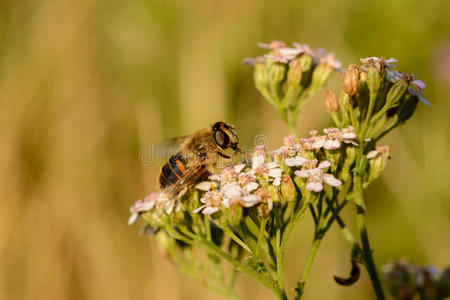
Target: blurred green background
{"x":86,"y":85}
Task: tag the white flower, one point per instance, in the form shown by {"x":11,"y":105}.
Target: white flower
{"x":309,"y":165}
{"x":142,"y":206}
{"x":295,"y":161}
{"x":334,"y":137}
{"x":212,"y":200}
{"x":227,"y":175}
{"x":232,"y":190}
{"x":316,"y":177}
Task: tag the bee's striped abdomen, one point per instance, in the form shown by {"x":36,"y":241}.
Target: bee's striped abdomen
{"x":173,"y":171}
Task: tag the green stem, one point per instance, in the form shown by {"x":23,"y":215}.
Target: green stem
{"x":367,"y":251}
{"x":310,"y":259}
{"x":279,"y":256}
{"x":372,"y":99}
{"x":290,"y":121}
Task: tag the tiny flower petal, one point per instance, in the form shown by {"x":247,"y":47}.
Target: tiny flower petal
{"x":325,"y":164}
{"x":295,"y":161}
{"x":302,"y":173}
{"x":331,"y":180}
{"x":349,"y":135}
{"x":250,"y":200}
{"x":203,"y":186}
{"x":239,"y":168}
{"x":319,"y":143}
{"x":133,"y":218}
{"x":271,"y":165}
{"x":314,"y":186}
{"x":270,"y":203}
{"x":372,"y":154}
{"x":419,"y":84}
{"x":195,"y":211}
{"x":209,"y":210}
{"x":232,"y":190}
{"x":275,"y":173}
{"x":277,"y":181}
{"x":257,"y":161}
{"x":214,"y":177}
{"x":332,"y":144}
{"x":251,"y":186}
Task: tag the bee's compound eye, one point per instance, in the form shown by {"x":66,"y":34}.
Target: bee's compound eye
{"x":221,"y":139}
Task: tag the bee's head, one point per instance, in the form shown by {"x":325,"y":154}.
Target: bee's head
{"x":225,"y":136}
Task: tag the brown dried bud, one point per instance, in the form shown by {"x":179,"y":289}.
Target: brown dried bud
{"x":331,"y":101}
{"x":350,"y":81}
{"x":265,"y":205}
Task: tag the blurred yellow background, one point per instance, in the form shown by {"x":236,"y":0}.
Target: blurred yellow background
{"x":86,"y":85}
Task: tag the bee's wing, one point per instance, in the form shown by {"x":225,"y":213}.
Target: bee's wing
{"x":169,"y":147}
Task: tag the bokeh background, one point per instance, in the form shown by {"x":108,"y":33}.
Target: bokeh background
{"x":87,"y":85}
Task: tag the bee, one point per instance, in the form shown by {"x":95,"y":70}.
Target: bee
{"x":195,"y":157}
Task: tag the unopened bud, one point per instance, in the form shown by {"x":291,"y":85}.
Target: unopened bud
{"x":377,"y":161}
{"x":294,"y":73}
{"x":331,"y":101}
{"x":305,"y":62}
{"x":375,"y":78}
{"x":320,"y":76}
{"x":288,"y":191}
{"x":350,"y":82}
{"x":276,"y":73}
{"x":396,"y":92}
{"x":260,"y":75}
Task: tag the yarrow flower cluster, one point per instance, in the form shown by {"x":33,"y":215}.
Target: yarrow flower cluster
{"x":244,"y":213}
